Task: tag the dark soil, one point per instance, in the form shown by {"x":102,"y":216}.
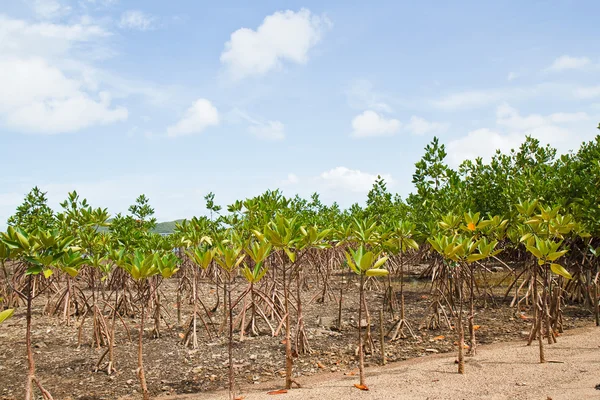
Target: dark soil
{"x":66,"y":370}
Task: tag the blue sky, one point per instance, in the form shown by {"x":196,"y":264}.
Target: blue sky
{"x":115,"y":98}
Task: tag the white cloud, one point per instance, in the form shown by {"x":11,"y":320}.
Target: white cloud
{"x":24,"y":39}
{"x":45,"y":89}
{"x":478,"y":98}
{"x":420,"y":126}
{"x":471,"y":99}
{"x":291,"y":179}
{"x":103,"y":3}
{"x":361,"y":95}
{"x":270,"y":130}
{"x":510,"y":117}
{"x":561,"y":130}
{"x":258,"y":127}
{"x":587,"y":92}
{"x":38,"y":98}
{"x":352,"y":180}
{"x":566,"y":62}
{"x":371,"y":124}
{"x":282,"y":36}
{"x":135,"y":19}
{"x":481,"y":143}
{"x":201,"y":115}
{"x":49,"y":9}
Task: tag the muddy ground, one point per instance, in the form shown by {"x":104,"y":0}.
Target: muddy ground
{"x":66,"y":369}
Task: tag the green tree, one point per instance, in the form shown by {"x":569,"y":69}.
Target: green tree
{"x":34,"y":213}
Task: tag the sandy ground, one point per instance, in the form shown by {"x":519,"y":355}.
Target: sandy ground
{"x":499,"y":371}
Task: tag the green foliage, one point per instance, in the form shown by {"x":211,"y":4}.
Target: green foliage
{"x":364,"y":262}
{"x":34,"y":213}
{"x":6,"y":314}
{"x":543,"y":231}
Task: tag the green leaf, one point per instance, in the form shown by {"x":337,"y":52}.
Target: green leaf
{"x":525,"y":237}
{"x":71,"y":271}
{"x":291,"y":255}
{"x":34,"y":270}
{"x":48,"y":273}
{"x":476,"y":257}
{"x":4,"y":315}
{"x":377,"y":272}
{"x":380,"y":262}
{"x":556,"y":255}
{"x":533,"y":250}
{"x":560,"y":270}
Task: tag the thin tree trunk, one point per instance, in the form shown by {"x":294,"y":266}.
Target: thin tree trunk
{"x":230,"y":344}
{"x":472,"y":312}
{"x":31,"y":364}
{"x":460,"y":328}
{"x":538,"y":317}
{"x":288,"y":343}
{"x":596,"y":307}
{"x":141,"y":373}
{"x":361,"y":361}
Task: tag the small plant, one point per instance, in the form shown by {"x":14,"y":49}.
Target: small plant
{"x":365,"y":264}
{"x":229,"y":256}
{"x":38,"y":251}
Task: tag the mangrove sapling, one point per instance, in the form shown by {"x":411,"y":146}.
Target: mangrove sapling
{"x":459,"y":244}
{"x":201,"y":257}
{"x":284,"y":234}
{"x":258,"y":251}
{"x":312,"y":238}
{"x":141,"y":266}
{"x":37,"y":251}
{"x":543,"y":236}
{"x":400,"y":242}
{"x":229,"y":257}
{"x":364,"y":263}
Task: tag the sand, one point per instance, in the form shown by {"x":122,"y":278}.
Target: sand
{"x":499,"y":371}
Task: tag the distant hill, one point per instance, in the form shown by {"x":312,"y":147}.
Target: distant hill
{"x":166,"y":227}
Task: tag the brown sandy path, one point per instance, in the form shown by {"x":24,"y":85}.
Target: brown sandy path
{"x":499,"y":371}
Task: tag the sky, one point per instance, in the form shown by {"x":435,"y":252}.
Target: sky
{"x":115,"y":98}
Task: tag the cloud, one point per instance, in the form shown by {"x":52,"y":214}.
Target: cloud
{"x":24,"y":39}
{"x":291,"y":179}
{"x":471,"y":99}
{"x":44,"y":88}
{"x":270,"y":130}
{"x":352,"y":180}
{"x":481,"y":143}
{"x":38,"y":98}
{"x":587,"y":92}
{"x":103,"y":3}
{"x":512,"y":76}
{"x":258,"y":127}
{"x":283,"y":36}
{"x":49,"y":9}
{"x":566,"y":62}
{"x":420,"y":126}
{"x":560,"y":130}
{"x":201,"y":115}
{"x":361,"y":95}
{"x":138,"y":20}
{"x":371,"y":124}
{"x":510,"y":117}
{"x":478,"y":98}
